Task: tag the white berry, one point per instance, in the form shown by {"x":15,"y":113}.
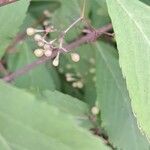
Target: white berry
{"x":48,"y":53}
{"x":75,"y":57}
{"x":47,"y":47}
{"x":79,"y":84}
{"x":95,"y":110}
{"x":30,"y":31}
{"x":40,"y":44}
{"x":37,"y":37}
{"x":38,"y":52}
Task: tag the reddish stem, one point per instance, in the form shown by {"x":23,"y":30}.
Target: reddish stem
{"x":5,"y":2}
{"x":90,"y":37}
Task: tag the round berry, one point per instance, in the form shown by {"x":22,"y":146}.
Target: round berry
{"x":37,"y":37}
{"x":38,"y":52}
{"x":30,"y":31}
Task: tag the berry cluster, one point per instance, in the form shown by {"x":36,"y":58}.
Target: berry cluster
{"x":46,"y":47}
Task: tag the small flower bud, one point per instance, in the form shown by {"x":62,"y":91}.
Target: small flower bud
{"x":95,"y":110}
{"x":37,"y":37}
{"x":46,"y":23}
{"x":48,"y":53}
{"x":38,"y":52}
{"x":69,"y":75}
{"x":56,"y":60}
{"x":70,"y":79}
{"x":47,"y":13}
{"x":47,"y":47}
{"x":30,"y":31}
{"x":75,"y":57}
{"x":40,"y":44}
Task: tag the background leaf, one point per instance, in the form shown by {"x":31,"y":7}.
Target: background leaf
{"x":40,"y":78}
{"x":30,"y":124}
{"x":113,"y":100}
{"x":133,"y":41}
{"x":83,"y":70}
{"x":10,"y":22}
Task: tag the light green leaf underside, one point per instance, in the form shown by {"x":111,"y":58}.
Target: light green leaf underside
{"x":114,"y":102}
{"x":131,"y":22}
{"x":28,"y":124}
{"x":11,"y":17}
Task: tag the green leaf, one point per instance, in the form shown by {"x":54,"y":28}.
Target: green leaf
{"x":40,"y":78}
{"x":10,"y":22}
{"x":99,"y":13}
{"x":67,"y":104}
{"x":30,"y":124}
{"x":114,"y":102}
{"x":131,"y":26}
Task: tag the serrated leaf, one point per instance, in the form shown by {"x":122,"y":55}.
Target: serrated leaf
{"x":114,"y":102}
{"x":30,"y":124}
{"x":40,"y":78}
{"x":131,"y":24}
{"x":10,"y":22}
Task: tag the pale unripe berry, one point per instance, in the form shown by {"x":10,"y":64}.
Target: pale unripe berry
{"x":48,"y":53}
{"x":47,"y":13}
{"x":79,"y":84}
{"x":70,"y":79}
{"x":38,"y":52}
{"x":40,"y":44}
{"x":95,"y":110}
{"x":30,"y":31}
{"x":46,"y":23}
{"x":75,"y":57}
{"x":47,"y":47}
{"x":74,"y":84}
{"x":37,"y":37}
{"x":55,"y":62}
